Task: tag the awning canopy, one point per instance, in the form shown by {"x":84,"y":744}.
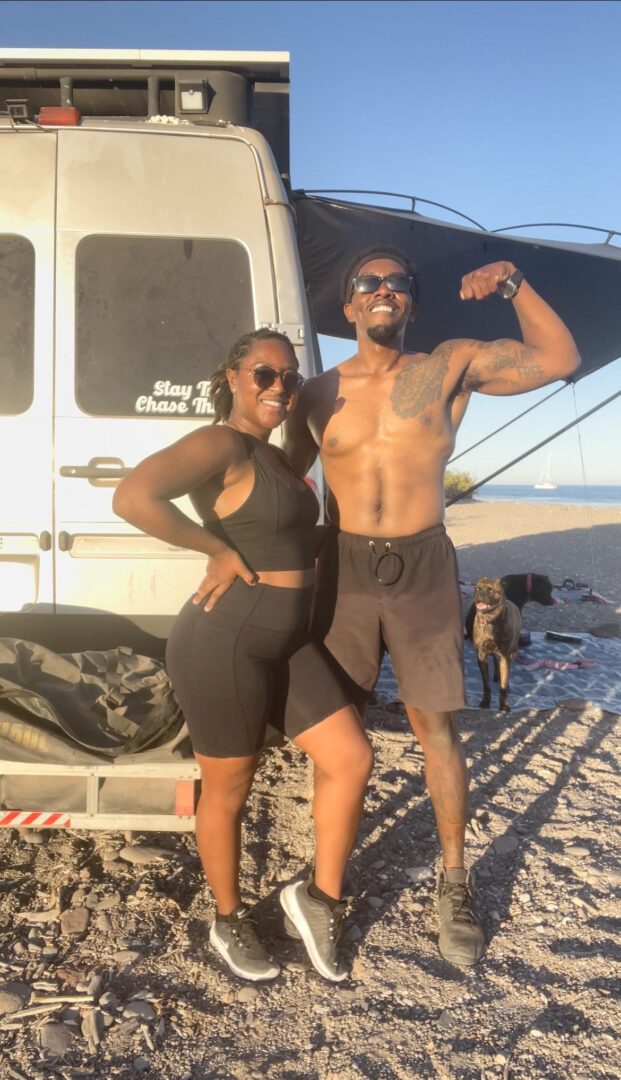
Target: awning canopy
{"x":582,"y":282}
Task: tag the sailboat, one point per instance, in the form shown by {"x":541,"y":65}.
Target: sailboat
{"x":545,"y":481}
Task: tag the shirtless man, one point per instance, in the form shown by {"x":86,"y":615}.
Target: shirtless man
{"x":384,"y":423}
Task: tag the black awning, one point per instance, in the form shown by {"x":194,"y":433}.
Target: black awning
{"x":582,"y":282}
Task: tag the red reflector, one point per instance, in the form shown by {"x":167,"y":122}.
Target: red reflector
{"x":59,"y":116}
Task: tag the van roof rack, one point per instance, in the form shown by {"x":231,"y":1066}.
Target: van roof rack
{"x":246,"y":88}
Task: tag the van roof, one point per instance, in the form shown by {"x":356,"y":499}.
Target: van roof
{"x":267,"y":66}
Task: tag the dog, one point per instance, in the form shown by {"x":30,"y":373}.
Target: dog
{"x":519,"y":589}
{"x":496,"y":633}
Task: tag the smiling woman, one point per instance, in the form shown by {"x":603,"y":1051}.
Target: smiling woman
{"x":239,"y":653}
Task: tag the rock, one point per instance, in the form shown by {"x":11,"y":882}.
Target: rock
{"x":109,"y":1000}
{"x":575,"y":704}
{"x":109,"y":901}
{"x":109,"y":855}
{"x":74,"y":920}
{"x":142,"y":1064}
{"x":92,"y":1026}
{"x":10,"y":1002}
{"x":504,"y":845}
{"x":103,"y":923}
{"x":419,"y":873}
{"x":374,"y":901}
{"x":32,"y":836}
{"x":446,"y":1020}
{"x":127,"y":956}
{"x":577,"y":852}
{"x":143,"y":1010}
{"x":70,"y":975}
{"x":142,"y":854}
{"x":56,"y":1039}
{"x":127,"y":1028}
{"x":94,"y":985}
{"x":248,"y":993}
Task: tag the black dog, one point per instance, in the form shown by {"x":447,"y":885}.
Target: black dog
{"x":519,"y":589}
{"x":495,"y":633}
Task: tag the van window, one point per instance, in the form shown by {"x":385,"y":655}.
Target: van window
{"x":154,"y":317}
{"x":17,"y":269}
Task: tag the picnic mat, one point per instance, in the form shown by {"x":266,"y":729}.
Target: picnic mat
{"x":543,"y":674}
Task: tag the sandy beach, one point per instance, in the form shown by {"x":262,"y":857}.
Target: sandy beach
{"x":104,"y":957}
{"x":576,"y":542}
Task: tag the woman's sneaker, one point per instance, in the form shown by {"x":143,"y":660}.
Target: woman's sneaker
{"x":462,"y":940}
{"x":318,"y":925}
{"x":236,"y":939}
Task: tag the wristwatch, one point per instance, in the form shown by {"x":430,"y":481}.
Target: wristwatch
{"x":508,"y":289}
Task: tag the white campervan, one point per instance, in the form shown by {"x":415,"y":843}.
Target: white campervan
{"x":144,"y":225}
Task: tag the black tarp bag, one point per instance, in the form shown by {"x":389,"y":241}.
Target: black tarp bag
{"x":59,"y":706}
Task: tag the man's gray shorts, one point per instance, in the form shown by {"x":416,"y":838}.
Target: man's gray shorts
{"x":401,"y":595}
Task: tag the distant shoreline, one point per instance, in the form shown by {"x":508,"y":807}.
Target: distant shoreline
{"x":595,"y":495}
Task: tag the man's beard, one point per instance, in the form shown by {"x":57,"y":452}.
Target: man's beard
{"x":382,"y":334}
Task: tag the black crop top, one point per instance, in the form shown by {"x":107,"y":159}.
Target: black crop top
{"x":274,"y":529}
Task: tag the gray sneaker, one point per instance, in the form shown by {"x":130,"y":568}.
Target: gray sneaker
{"x":237,"y":941}
{"x":462,"y":940}
{"x":317,"y":925}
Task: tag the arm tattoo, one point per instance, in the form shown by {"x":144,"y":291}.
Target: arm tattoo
{"x":495,"y":357}
{"x":419,"y":384}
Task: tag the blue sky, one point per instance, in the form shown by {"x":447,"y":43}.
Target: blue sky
{"x":507,"y":111}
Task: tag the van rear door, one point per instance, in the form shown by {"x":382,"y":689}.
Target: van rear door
{"x":162,"y":261}
{"x":27,"y":194}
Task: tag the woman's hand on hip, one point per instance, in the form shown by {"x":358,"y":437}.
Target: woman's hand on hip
{"x":222,"y":570}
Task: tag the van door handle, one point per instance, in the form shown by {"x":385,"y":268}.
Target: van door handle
{"x":65,"y":540}
{"x":45,"y":540}
{"x":89,"y":472}
{"x":100,"y":471}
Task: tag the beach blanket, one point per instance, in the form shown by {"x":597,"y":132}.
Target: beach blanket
{"x":543,"y":674}
{"x":570,"y":592}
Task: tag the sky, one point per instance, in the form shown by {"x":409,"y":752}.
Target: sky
{"x":507,"y":111}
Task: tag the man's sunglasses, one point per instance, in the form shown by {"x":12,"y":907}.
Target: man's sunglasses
{"x":265,"y":376}
{"x":370,"y":283}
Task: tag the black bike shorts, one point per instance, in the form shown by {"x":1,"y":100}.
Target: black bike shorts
{"x":249,"y":666}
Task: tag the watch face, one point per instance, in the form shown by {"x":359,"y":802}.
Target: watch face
{"x":509,"y":288}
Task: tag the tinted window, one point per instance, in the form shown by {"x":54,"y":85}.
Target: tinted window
{"x":17,"y":267}
{"x":154,"y":317}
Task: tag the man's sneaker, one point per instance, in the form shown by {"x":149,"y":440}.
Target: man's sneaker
{"x":237,"y":941}
{"x":462,"y":940}
{"x":317,"y":925}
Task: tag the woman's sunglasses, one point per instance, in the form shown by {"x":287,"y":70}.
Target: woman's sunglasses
{"x":370,"y":283}
{"x":265,"y":376}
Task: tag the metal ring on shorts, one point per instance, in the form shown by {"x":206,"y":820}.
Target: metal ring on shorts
{"x":390,"y":559}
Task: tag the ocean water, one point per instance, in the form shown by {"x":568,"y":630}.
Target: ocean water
{"x":563,"y":495}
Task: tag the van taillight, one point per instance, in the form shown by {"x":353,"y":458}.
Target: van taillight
{"x":59,"y":116}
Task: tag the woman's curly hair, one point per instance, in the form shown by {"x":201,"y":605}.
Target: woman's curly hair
{"x":220,"y":394}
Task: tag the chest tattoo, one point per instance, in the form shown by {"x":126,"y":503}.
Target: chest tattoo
{"x":419,"y":384}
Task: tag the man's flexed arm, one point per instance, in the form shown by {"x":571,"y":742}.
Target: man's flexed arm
{"x":548,"y":351}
